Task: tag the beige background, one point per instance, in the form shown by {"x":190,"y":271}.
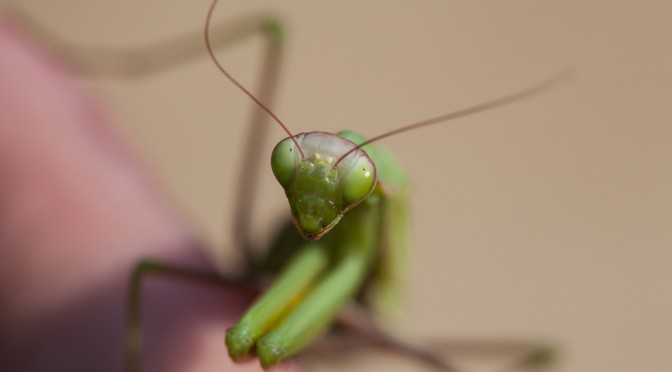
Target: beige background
{"x":549,"y":219}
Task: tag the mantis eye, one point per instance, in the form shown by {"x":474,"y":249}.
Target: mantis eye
{"x":359,"y":182}
{"x":283,"y":162}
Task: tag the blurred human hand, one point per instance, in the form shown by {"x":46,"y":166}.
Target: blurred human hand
{"x":76,"y":212}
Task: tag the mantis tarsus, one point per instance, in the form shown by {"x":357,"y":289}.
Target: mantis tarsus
{"x":269,"y":358}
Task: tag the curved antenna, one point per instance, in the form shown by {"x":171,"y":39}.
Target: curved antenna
{"x":485,"y":106}
{"x":236,"y":83}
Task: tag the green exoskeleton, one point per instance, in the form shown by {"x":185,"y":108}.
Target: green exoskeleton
{"x":348,"y":199}
{"x":349,"y":203}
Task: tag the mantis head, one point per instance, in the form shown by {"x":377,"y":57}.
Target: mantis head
{"x":321,"y":185}
{"x":323,"y":174}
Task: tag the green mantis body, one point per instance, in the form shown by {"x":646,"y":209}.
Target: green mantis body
{"x":349,"y":204}
{"x":324,"y":274}
{"x":345,"y":184}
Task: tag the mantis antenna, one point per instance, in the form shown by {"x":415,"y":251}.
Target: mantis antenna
{"x":485,"y":106}
{"x":236,"y":83}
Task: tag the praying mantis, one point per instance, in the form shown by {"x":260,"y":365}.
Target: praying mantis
{"x":324,"y":176}
{"x":312,"y":232}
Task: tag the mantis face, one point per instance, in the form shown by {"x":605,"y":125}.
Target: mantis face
{"x":319,"y":187}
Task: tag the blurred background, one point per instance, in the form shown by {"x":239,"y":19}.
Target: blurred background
{"x":549,"y":219}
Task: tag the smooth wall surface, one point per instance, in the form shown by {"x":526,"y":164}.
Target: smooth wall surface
{"x":548,"y":219}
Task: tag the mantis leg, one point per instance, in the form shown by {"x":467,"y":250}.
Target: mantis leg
{"x":148,"y":59}
{"x":359,"y":323}
{"x":522,"y":355}
{"x":315,"y":313}
{"x":290,"y":287}
{"x":145,"y":269}
{"x":256,"y":136}
{"x":526,"y":356}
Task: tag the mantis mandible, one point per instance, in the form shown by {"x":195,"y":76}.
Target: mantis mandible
{"x":348,"y":199}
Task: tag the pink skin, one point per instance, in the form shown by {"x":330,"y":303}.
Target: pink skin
{"x":76,"y":212}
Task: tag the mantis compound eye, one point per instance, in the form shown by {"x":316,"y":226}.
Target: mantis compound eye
{"x":359,"y":181}
{"x":284,"y":161}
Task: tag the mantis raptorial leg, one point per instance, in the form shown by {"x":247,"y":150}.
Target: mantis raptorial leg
{"x":242,"y":241}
